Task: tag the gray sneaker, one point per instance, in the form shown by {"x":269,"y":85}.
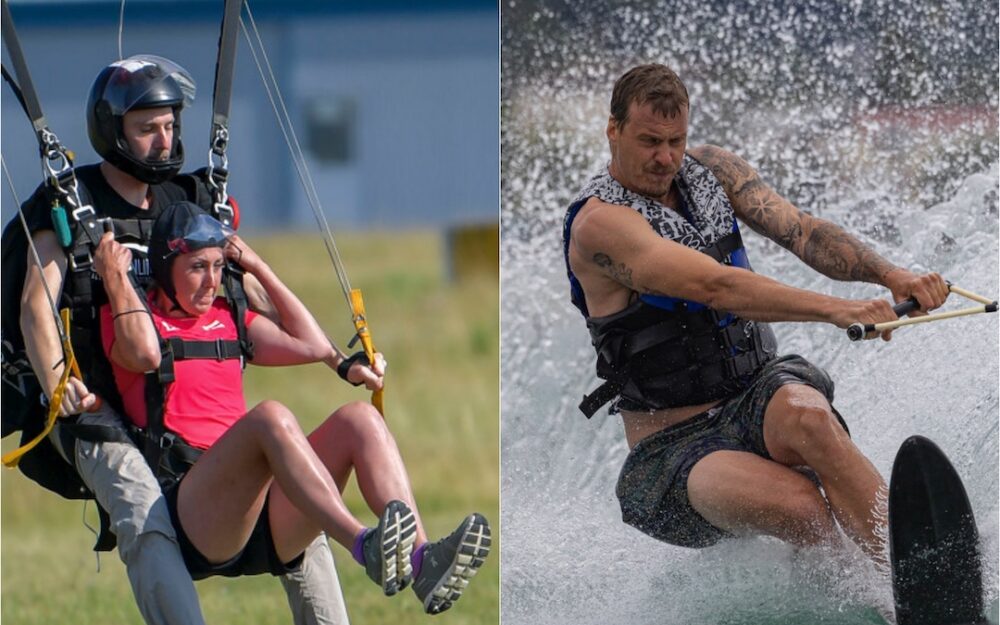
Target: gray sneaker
{"x":451,"y":562}
{"x":387,"y":550}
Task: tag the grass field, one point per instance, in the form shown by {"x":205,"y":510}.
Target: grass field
{"x":442,"y":403}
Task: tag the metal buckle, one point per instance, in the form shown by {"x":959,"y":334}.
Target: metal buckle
{"x":224,"y":214}
{"x":83,"y":262}
{"x":167,"y":440}
{"x":84,"y":211}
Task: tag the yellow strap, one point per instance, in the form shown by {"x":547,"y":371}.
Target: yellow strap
{"x":11,"y":459}
{"x":361,"y":327}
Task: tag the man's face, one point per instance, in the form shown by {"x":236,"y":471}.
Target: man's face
{"x":149,"y":133}
{"x":646,"y":152}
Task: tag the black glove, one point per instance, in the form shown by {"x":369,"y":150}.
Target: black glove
{"x":346,"y":364}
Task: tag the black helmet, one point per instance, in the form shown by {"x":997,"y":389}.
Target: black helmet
{"x":138,"y":82}
{"x":182,"y":227}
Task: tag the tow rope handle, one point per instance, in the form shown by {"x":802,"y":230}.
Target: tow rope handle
{"x":857,"y":331}
{"x":11,"y":458}
{"x":361,"y":328}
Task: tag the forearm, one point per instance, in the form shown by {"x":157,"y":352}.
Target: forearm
{"x":835,"y":253}
{"x":134,"y":331}
{"x":822,"y":245}
{"x":257,"y":298}
{"x":760,"y":298}
{"x":292,"y":314}
{"x":260,"y":303}
{"x":42,"y":344}
{"x":42,"y":284}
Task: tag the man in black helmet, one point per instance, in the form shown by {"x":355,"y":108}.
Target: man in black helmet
{"x":133,"y":119}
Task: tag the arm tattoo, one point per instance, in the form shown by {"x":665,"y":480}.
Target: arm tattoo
{"x":822,"y":245}
{"x":834,"y":252}
{"x":761,"y":207}
{"x":619,"y":273}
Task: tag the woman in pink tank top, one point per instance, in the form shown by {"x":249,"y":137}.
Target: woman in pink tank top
{"x":262,"y":490}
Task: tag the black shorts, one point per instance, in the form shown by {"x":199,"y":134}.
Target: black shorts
{"x":652,"y":486}
{"x":258,"y":555}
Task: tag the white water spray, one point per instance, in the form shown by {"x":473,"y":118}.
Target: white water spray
{"x":876,"y":116}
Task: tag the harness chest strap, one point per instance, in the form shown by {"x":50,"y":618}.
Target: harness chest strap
{"x":157,"y":439}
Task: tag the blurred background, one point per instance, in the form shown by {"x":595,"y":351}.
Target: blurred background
{"x":879,"y":116}
{"x":396,"y":108}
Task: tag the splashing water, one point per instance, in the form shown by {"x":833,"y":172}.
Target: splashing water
{"x":878,"y":116}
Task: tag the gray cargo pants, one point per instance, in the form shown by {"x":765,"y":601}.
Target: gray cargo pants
{"x":126,"y":488}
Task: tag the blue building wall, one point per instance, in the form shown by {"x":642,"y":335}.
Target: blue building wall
{"x":420,"y":89}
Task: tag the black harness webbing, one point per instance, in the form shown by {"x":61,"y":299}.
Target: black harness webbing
{"x":167,"y":453}
{"x":225,"y":66}
{"x":25,"y":88}
{"x":16,"y":89}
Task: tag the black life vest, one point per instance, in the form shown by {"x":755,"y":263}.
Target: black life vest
{"x":663,"y":352}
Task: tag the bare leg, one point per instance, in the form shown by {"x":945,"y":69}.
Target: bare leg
{"x":741,"y":492}
{"x":801,"y":429}
{"x":235,"y":474}
{"x":353,"y":437}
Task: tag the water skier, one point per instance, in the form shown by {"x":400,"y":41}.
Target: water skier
{"x":718,"y":424}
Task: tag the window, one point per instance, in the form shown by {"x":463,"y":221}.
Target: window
{"x":330,"y":123}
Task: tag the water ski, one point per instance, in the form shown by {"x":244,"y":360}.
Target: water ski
{"x":933,"y":541}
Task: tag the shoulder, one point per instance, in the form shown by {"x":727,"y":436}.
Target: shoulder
{"x":88,"y":174}
{"x":599,"y":222}
{"x":35,"y":211}
{"x":713,"y":156}
{"x":730,"y":170}
{"x":191,"y":186}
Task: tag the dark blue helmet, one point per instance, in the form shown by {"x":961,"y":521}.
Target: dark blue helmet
{"x":138,"y":82}
{"x":181,"y":228}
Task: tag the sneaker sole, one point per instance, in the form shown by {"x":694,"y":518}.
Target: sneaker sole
{"x":471,"y":554}
{"x":399,"y":531}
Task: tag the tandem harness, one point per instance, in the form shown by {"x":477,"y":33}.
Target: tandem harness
{"x":78,"y":228}
{"x":166,"y":452}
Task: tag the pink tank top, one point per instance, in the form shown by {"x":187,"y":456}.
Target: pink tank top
{"x":206,"y":397}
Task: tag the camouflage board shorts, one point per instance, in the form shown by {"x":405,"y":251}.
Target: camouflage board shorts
{"x":652,"y":486}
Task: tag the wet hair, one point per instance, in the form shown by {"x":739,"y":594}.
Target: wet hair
{"x":653,"y":83}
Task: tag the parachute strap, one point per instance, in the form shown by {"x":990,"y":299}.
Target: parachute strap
{"x":361,"y":328}
{"x":11,"y":459}
{"x":218,"y":163}
{"x":352,"y":296}
{"x":57,"y":161}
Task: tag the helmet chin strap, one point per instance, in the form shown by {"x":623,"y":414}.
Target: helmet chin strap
{"x":148,"y":171}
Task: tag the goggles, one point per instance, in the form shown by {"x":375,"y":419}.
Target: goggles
{"x":203,"y":231}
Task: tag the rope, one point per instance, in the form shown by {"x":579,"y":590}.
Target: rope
{"x":121,"y":29}
{"x":353,"y":296}
{"x":294,"y":148}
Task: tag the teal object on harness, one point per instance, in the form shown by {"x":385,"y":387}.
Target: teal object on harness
{"x":61,"y":225}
